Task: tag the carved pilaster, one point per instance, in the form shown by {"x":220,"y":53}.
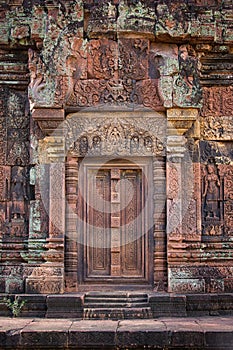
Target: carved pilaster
{"x":160,"y":258}
{"x":71,"y":256}
{"x":183,"y":207}
{"x":175,"y":154}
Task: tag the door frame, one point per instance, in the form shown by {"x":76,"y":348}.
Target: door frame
{"x":145,"y":165}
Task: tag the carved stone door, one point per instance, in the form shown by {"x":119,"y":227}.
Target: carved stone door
{"x":115,"y":225}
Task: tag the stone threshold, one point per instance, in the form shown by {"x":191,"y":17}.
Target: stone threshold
{"x":215,"y":333}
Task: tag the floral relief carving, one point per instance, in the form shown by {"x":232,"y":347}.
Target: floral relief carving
{"x":217,"y":127}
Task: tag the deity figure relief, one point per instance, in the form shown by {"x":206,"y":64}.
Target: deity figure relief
{"x":114,"y":137}
{"x":83,"y":145}
{"x":148,"y":143}
{"x":18,"y":192}
{"x":211,"y":193}
{"x":96,"y":143}
{"x":134,"y":144}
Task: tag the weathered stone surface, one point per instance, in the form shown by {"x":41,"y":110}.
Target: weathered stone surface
{"x":41,"y":332}
{"x":136,"y":17}
{"x":89,"y":333}
{"x":200,"y":333}
{"x":129,"y":332}
{"x":170,"y":59}
{"x":59,"y":306}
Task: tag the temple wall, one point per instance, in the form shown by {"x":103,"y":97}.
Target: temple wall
{"x":167,"y":63}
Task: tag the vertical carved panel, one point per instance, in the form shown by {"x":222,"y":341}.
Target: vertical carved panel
{"x":57,"y":191}
{"x":2,"y":126}
{"x":216,"y":190}
{"x":226,"y":172}
{"x":174,"y":200}
{"x":17,"y":129}
{"x":191,"y":220}
{"x":115,"y":222}
{"x":4,"y":182}
{"x":98,"y":223}
{"x":131,"y":224}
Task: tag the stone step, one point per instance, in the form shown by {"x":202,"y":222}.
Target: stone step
{"x":122,"y":305}
{"x":115,"y":300}
{"x":106,"y":304}
{"x":117,"y":313}
{"x":115,"y":295}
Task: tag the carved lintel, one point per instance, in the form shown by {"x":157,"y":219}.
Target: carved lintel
{"x":111,"y":135}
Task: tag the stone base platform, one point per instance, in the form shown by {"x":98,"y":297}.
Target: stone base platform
{"x":215,"y":333}
{"x":121,"y":305}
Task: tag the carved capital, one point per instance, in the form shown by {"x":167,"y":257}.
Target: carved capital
{"x":181,"y":120}
{"x":52,"y":150}
{"x":175,"y":148}
{"x":48,"y":119}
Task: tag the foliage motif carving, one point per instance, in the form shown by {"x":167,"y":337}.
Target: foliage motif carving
{"x":217,"y":101}
{"x":226,"y":172}
{"x":173,"y":202}
{"x":217,"y":127}
{"x":93,"y":91}
{"x":189,"y":222}
{"x":44,"y":286}
{"x":4,"y":183}
{"x":173,"y":188}
{"x":148,"y":94}
{"x":17,"y":130}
